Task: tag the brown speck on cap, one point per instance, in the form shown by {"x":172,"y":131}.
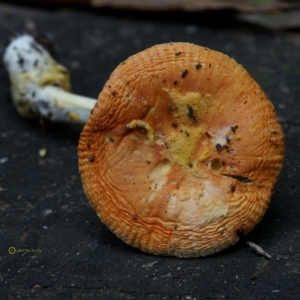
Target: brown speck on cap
{"x":232,"y":188}
{"x":169,"y":107}
{"x":234,"y":128}
{"x":184,"y":73}
{"x":198,"y":66}
{"x":190,"y":113}
{"x":219,"y":147}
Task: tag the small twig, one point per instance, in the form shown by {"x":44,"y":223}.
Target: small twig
{"x":259,"y":250}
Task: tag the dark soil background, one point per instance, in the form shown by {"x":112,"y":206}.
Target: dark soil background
{"x":63,"y":251}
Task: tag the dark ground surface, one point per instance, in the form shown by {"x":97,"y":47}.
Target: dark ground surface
{"x":43,"y":207}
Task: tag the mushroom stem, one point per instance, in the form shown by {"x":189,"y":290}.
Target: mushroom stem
{"x":40,"y":86}
{"x":64,"y":106}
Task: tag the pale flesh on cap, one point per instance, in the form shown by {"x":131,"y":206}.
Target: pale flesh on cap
{"x":181,"y":152}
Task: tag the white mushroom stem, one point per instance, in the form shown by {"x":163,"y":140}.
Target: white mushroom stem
{"x":40,"y":86}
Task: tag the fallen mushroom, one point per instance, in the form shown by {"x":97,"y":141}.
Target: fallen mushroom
{"x":181,"y":152}
{"x":40,"y":86}
{"x":181,"y":165}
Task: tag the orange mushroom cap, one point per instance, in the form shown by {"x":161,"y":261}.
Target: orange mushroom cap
{"x":181,"y":152}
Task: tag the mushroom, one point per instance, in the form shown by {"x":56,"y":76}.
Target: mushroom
{"x":181,"y":152}
{"x":40,"y":86}
{"x":179,"y":155}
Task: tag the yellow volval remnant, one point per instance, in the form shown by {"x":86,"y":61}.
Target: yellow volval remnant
{"x":190,"y":107}
{"x":143,"y":125}
{"x":182,"y":194}
{"x":204,"y":154}
{"x":183,"y":143}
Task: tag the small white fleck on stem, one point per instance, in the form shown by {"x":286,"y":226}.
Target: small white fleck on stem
{"x":40,"y":86}
{"x":259,"y":250}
